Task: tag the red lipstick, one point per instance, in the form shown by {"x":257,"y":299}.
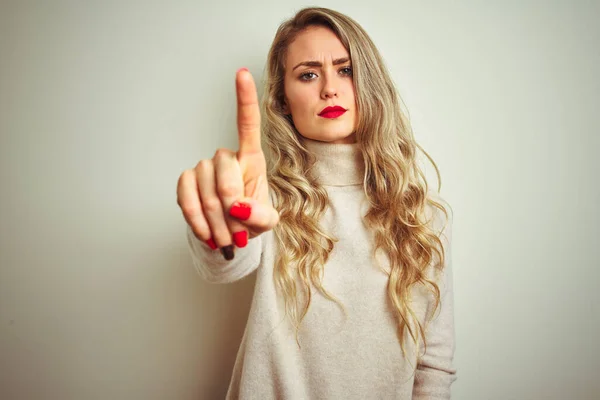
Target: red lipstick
{"x":332,"y":112}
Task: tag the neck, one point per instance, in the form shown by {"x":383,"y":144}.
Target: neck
{"x":337,"y":164}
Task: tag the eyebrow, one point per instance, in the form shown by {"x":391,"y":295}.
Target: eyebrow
{"x":319,"y":64}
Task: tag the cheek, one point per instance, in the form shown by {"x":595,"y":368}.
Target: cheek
{"x":300,"y":100}
{"x":350,"y":88}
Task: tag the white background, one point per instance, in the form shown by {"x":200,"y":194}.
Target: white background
{"x":104,"y":104}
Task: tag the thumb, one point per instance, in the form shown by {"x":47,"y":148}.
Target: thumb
{"x":257,"y":216}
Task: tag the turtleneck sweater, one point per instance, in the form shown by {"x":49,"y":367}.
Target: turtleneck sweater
{"x":352,"y":356}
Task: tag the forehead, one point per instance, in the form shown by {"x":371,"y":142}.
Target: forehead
{"x":315,"y":43}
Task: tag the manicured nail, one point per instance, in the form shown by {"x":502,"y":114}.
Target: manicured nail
{"x":240,"y":238}
{"x":211,"y":243}
{"x":240,"y":211}
{"x":242,"y":69}
{"x":227,"y":252}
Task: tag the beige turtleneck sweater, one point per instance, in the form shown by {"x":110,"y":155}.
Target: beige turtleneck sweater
{"x":354,"y":358}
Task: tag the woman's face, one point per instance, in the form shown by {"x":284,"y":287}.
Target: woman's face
{"x":319,"y":75}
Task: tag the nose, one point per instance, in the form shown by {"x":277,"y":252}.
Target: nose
{"x":329,"y":89}
{"x":328,"y":92}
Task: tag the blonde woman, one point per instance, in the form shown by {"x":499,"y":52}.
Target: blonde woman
{"x":353,"y":296}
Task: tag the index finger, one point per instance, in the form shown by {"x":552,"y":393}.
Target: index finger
{"x":248,"y":112}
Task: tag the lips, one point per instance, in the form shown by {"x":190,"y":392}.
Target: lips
{"x":332,"y":112}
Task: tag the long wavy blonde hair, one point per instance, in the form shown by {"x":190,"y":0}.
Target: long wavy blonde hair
{"x":394,"y":184}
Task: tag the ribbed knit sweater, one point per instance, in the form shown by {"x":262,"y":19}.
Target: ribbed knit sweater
{"x":353,"y":357}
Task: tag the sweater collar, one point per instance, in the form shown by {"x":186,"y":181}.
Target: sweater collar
{"x":336,"y":164}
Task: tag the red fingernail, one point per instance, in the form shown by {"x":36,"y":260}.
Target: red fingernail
{"x":242,"y":69}
{"x":241,"y":211}
{"x":211,"y":243}
{"x":240,"y":238}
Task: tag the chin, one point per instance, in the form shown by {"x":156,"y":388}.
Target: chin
{"x":331,"y":137}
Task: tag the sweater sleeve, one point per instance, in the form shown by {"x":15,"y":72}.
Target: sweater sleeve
{"x":435,"y":371}
{"x":214,"y":268}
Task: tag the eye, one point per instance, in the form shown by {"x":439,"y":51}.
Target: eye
{"x":307,"y":76}
{"x":346,"y":71}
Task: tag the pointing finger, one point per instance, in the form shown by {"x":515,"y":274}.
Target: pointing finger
{"x":248,"y":113}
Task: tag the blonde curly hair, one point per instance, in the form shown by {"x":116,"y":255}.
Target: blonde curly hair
{"x":396,"y":188}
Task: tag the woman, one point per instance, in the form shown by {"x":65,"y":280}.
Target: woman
{"x":353,"y":296}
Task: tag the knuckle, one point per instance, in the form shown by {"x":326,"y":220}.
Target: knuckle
{"x":222,"y":152}
{"x":248,"y":126}
{"x":189,"y":210}
{"x":212,"y":205}
{"x":227,"y":189}
{"x":185,"y":176}
{"x":204,"y":165}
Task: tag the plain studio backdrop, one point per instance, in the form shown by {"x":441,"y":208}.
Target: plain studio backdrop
{"x":104,"y":104}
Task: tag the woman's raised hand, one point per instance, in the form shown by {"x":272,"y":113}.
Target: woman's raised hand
{"x":225,"y":200}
